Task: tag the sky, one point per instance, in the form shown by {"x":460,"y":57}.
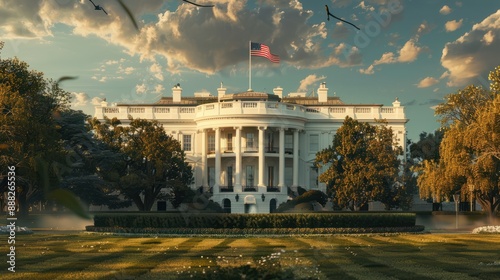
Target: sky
{"x":415,"y":50}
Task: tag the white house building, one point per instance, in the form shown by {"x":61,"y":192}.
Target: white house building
{"x":248,"y":149}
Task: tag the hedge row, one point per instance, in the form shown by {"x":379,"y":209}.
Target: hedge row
{"x":312,"y":220}
{"x":220,"y":232}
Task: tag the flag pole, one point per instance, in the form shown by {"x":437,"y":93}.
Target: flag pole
{"x":249,"y":65}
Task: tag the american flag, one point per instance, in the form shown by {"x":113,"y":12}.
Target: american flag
{"x":258,"y":49}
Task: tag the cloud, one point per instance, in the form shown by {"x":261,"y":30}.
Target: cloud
{"x":367,"y":71}
{"x":474,"y":53}
{"x":140,"y":89}
{"x":427,"y":82}
{"x":156,"y":70}
{"x":159,"y":88}
{"x":453,"y":25}
{"x":79,"y":99}
{"x":408,"y":53}
{"x":445,"y":10}
{"x":178,"y":36}
{"x":308,"y":81}
{"x":96,"y":101}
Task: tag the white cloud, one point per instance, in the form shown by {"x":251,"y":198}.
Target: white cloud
{"x":103,"y":79}
{"x":308,"y":81}
{"x":445,"y":10}
{"x":453,"y":25}
{"x":408,"y":53}
{"x":472,"y":55}
{"x":96,"y":101}
{"x":159,"y":88}
{"x":140,"y":89}
{"x":367,"y":71}
{"x":179,"y":36}
{"x":427,"y":82}
{"x":79,"y":98}
{"x":488,"y":38}
{"x":156,"y":70}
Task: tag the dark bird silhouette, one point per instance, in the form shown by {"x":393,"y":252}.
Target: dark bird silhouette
{"x":196,"y":4}
{"x":330,"y":14}
{"x":98,"y":8}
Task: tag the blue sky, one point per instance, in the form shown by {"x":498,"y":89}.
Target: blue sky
{"x":418,"y":51}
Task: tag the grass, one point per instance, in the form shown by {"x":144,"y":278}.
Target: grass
{"x":418,"y":256}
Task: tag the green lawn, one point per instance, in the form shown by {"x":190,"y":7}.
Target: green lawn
{"x":91,"y":256}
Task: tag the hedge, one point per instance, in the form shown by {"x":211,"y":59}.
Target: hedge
{"x":221,"y":232}
{"x":241,"y":221}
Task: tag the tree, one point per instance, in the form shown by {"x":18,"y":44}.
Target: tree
{"x":361,"y":165}
{"x":427,"y":147}
{"x":85,"y":156}
{"x":469,"y":162}
{"x":152,"y":161}
{"x":30,"y":142}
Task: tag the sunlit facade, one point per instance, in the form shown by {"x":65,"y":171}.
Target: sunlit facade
{"x":250,"y":149}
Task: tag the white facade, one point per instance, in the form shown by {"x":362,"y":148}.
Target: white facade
{"x":248,"y":149}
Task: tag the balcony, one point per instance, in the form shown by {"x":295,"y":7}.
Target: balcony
{"x":226,"y":188}
{"x":273,"y":189}
{"x":249,"y":188}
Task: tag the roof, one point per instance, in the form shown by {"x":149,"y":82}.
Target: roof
{"x":250,"y":95}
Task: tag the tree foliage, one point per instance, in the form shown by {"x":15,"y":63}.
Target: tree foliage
{"x":361,"y":166}
{"x":469,"y":161}
{"x":151,"y":161}
{"x":29,"y":106}
{"x":85,"y":156}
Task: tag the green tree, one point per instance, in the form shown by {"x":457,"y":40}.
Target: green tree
{"x":469,"y":161}
{"x":29,"y":139}
{"x":152,"y":161}
{"x":361,"y":165}
{"x":85,"y":156}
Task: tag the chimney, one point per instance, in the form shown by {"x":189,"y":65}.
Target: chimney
{"x":104,"y":103}
{"x":176,"y":93}
{"x":322,"y":93}
{"x":396,"y":103}
{"x":221,"y":91}
{"x":278,"y":91}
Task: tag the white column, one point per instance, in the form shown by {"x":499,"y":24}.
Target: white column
{"x":217,"y":160}
{"x":281,"y":176}
{"x":261,"y":157}
{"x":237,"y":173}
{"x":204,"y":162}
{"x":295,"y":182}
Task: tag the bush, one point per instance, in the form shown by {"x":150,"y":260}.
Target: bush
{"x":260,"y":221}
{"x":305,"y":198}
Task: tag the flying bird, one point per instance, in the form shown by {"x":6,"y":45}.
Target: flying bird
{"x":196,"y":4}
{"x":98,"y":8}
{"x":329,"y":14}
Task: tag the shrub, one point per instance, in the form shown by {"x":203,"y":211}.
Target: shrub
{"x":245,"y":221}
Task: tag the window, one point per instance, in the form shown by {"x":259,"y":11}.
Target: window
{"x":211,"y":143}
{"x":229,"y":142}
{"x":186,"y":143}
{"x":229,"y":178}
{"x":250,"y":140}
{"x":270,"y":142}
{"x":313,"y":142}
{"x":313,"y":177}
{"x":270,"y":176}
{"x":211,"y":176}
{"x":288,"y":143}
{"x":249,"y":175}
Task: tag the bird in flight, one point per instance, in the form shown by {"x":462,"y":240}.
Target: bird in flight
{"x":196,"y":4}
{"x":330,"y":14}
{"x":97,"y":7}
